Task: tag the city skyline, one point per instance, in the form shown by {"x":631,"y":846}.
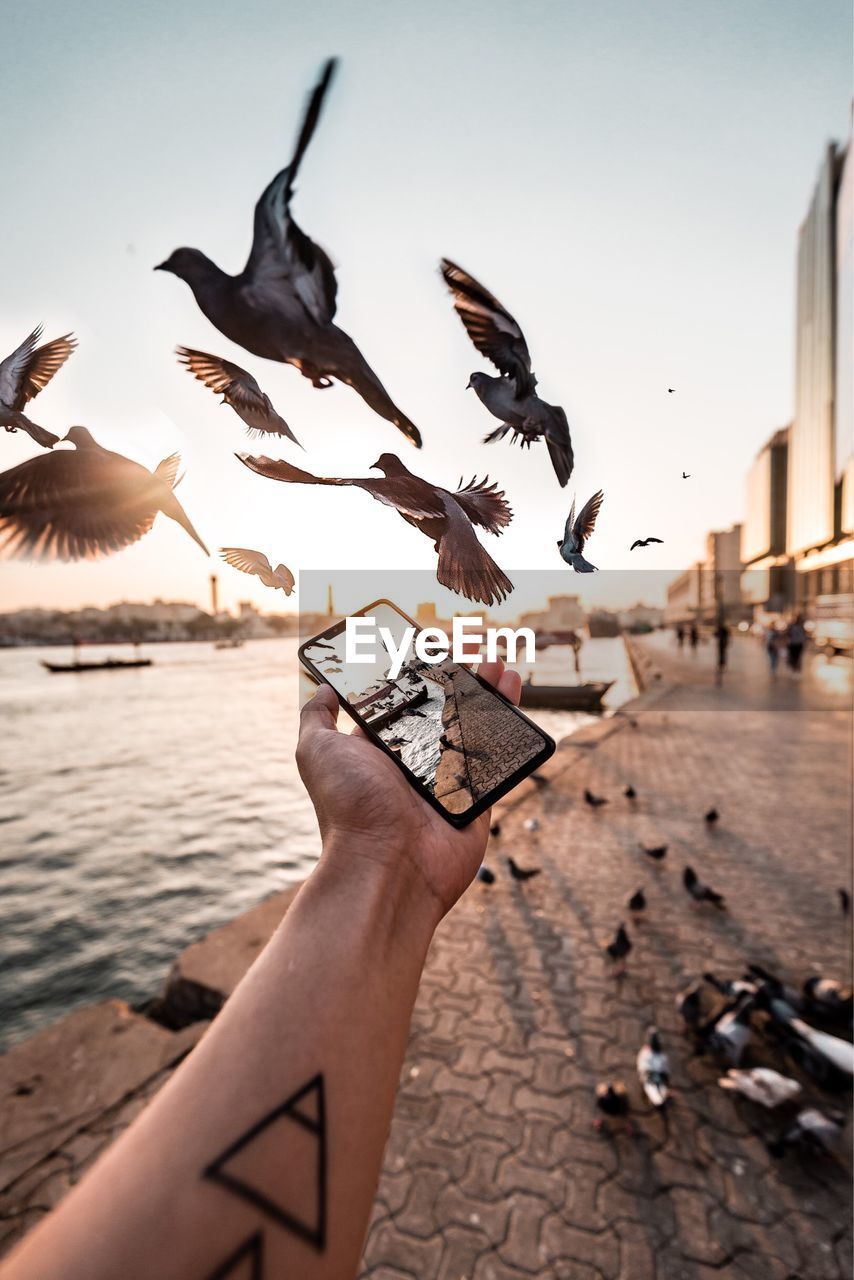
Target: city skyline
{"x":663,"y":171}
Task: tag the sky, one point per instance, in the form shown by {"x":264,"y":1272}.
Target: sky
{"x":628,"y":179}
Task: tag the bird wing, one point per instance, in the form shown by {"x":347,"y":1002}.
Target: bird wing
{"x":283,"y":257}
{"x":407,"y":494}
{"x":567,"y":529}
{"x":464,"y":565}
{"x":249,"y":562}
{"x":637,"y":543}
{"x":285,"y":580}
{"x":29,"y":368}
{"x":76,"y":504}
{"x":490,"y":326}
{"x":223,"y":377}
{"x":587,"y":519}
{"x":661,"y":540}
{"x":556,"y":431}
{"x":484,"y":504}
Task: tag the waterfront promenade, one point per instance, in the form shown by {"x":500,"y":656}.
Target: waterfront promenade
{"x":493,"y":1169}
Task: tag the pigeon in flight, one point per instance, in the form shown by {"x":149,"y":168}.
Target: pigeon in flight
{"x":643,"y":542}
{"x":689,"y":1004}
{"x":686,"y":475}
{"x":239,"y":390}
{"x":256,"y":562}
{"x":84,"y":503}
{"x":511,"y":398}
{"x":653,"y":1068}
{"x":761,"y":1084}
{"x":701,"y":892}
{"x":577,"y":532}
{"x":657,"y":852}
{"x":618,"y":948}
{"x":522,"y":873}
{"x":282,"y":304}
{"x":25,"y":373}
{"x":670,"y":390}
{"x":445,"y":517}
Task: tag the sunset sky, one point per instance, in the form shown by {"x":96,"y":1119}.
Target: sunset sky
{"x":628,"y":179}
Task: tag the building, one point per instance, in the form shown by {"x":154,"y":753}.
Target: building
{"x":563,"y":613}
{"x":684,"y":597}
{"x":820,"y":516}
{"x":641,"y":617}
{"x":767,"y":576}
{"x":720,"y":581}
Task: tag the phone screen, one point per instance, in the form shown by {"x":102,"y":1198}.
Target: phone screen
{"x":458,"y":741}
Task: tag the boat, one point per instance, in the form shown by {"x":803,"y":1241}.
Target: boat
{"x":232,"y":642}
{"x":387,"y":715}
{"x":566,"y":697}
{"x":109,"y":664}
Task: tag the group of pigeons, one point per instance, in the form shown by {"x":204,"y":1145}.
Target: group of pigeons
{"x":90,"y":501}
{"x":731,"y":1017}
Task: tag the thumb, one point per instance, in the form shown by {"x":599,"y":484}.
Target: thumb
{"x":319,"y":715}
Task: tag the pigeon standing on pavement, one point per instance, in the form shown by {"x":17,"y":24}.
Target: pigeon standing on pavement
{"x":282,"y":304}
{"x":761,"y":1084}
{"x":25,"y":373}
{"x":594,"y":801}
{"x":637,"y":901}
{"x":577,"y":532}
{"x":531,"y":824}
{"x":485,"y":875}
{"x":257,"y":563}
{"x":618,"y":949}
{"x":729,"y":1032}
{"x":689,"y":1004}
{"x":511,"y":398}
{"x":86,"y":502}
{"x":630,"y":793}
{"x":712,"y":817}
{"x":522,"y":873}
{"x":656,"y":852}
{"x":612,"y":1099}
{"x":446,"y":518}
{"x":701,"y":892}
{"x":653,"y":1068}
{"x":239,"y":390}
{"x":844,"y":901}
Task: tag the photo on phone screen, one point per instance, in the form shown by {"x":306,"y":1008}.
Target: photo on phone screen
{"x":460,"y":743}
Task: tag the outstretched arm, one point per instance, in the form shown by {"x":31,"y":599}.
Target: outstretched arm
{"x":261,"y":1155}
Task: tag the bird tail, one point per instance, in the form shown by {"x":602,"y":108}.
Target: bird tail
{"x":717,"y":899}
{"x":167,"y":470}
{"x":175,"y":511}
{"x":352,"y":368}
{"x":310,"y":119}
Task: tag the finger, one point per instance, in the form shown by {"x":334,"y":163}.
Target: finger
{"x":320,"y":713}
{"x":491,"y":671}
{"x":510,"y":684}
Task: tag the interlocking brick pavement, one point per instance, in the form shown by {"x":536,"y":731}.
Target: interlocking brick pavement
{"x":493,"y":1167}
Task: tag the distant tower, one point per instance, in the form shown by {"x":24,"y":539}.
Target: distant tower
{"x":330,"y":604}
{"x":214,"y":595}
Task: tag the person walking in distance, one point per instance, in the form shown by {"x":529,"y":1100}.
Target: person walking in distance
{"x":796,"y":638}
{"x":694,"y":637}
{"x":680,"y":635}
{"x":772,"y":649}
{"x":722,"y":634}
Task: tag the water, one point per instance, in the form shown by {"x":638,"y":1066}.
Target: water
{"x":141,"y":809}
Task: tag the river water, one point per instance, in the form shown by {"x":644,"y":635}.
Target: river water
{"x":141,"y":809}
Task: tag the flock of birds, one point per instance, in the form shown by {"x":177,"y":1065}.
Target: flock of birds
{"x":90,"y":502}
{"x":729,"y":1017}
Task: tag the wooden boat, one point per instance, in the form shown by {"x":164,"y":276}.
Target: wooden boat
{"x":382,"y":718}
{"x":109,"y":664}
{"x":566,"y":697}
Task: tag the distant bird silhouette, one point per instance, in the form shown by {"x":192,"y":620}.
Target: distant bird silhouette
{"x":814,"y":1131}
{"x":522,"y":873}
{"x":701,"y":892}
{"x":512,"y":398}
{"x":637,"y":902}
{"x":630,"y":793}
{"x":844,"y":901}
{"x":712,"y":817}
{"x":84,"y":503}
{"x":643,"y":542}
{"x":670,"y":390}
{"x":577,"y":532}
{"x":763,"y":1085}
{"x":495,"y":829}
{"x":25,"y":373}
{"x":239,"y":390}
{"x":446,"y":518}
{"x":618,"y":948}
{"x":594,"y":801}
{"x":282,"y":304}
{"x":656,"y":852}
{"x":653,"y":1068}
{"x":685,"y":475}
{"x":256,"y":562}
{"x":485,"y":875}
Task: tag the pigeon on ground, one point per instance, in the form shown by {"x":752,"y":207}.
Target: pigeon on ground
{"x":512,"y":398}
{"x":844,"y":901}
{"x":730,"y":987}
{"x":686,"y":475}
{"x":282,"y":304}
{"x":814,"y":1131}
{"x":612,"y":1099}
{"x":446,"y":518}
{"x":239,"y":390}
{"x":712,"y":816}
{"x":594,"y":801}
{"x":531,"y":824}
{"x":618,"y":948}
{"x":637,"y":902}
{"x":653,"y":1068}
{"x":84,"y":503}
{"x":829,"y":999}
{"x":540,"y":779}
{"x":485,"y":875}
{"x":772,"y":988}
{"x":689,"y":1004}
{"x":644,"y":542}
{"x":729,"y":1033}
{"x":656,"y":852}
{"x":701,"y":892}
{"x":495,"y":829}
{"x":522,"y":873}
{"x":25,"y":373}
{"x":762,"y":1085}
{"x":630,"y":793}
{"x":577,"y":532}
{"x":256,"y":562}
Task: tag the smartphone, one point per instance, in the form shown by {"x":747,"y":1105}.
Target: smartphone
{"x":458,"y":741}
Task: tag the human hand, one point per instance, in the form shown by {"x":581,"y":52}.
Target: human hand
{"x":372,"y":820}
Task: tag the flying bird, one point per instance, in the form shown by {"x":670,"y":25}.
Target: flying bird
{"x":644,"y":542}
{"x":637,"y":902}
{"x":761,"y":1084}
{"x":511,"y":398}
{"x":670,"y":390}
{"x":577,"y":532}
{"x":256,"y":562}
{"x":25,"y":373}
{"x":653,"y":1068}
{"x":689,"y":1004}
{"x":656,"y":852}
{"x":618,"y":948}
{"x":84,"y":503}
{"x":701,"y":892}
{"x":829,"y":999}
{"x":239,"y":390}
{"x":282,"y":304}
{"x":446,"y":518}
{"x":594,"y":801}
{"x":815,"y":1131}
{"x":685,"y":475}
{"x":522,"y":873}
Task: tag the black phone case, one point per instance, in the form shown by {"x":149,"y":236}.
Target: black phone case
{"x":455,"y":819}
